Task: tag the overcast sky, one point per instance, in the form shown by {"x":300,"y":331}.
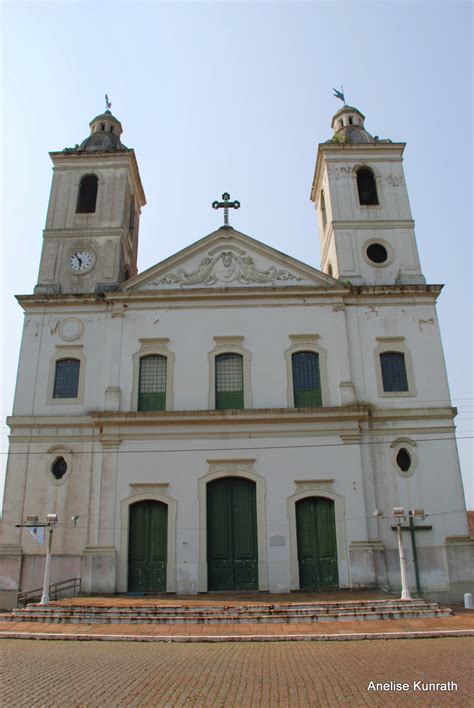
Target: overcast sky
{"x":236,"y":96}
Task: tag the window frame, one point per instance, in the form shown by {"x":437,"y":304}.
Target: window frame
{"x":163,"y":393}
{"x":153,"y":347}
{"x":378,"y":186}
{"x":409,"y":444}
{"x":66,"y":351}
{"x":313,"y":390}
{"x":217,"y":393}
{"x":396,"y":345}
{"x":306,"y":343}
{"x":52,"y":455}
{"x":229,"y":344}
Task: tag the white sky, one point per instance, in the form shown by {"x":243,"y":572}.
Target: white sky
{"x":236,"y":96}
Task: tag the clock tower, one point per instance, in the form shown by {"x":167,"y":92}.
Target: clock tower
{"x":91,"y":237}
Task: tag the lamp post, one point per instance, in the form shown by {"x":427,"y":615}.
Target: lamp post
{"x":398,"y":513}
{"x":51,"y":522}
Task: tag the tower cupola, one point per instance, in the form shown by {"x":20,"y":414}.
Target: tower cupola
{"x":348,"y":126}
{"x":106,"y":130}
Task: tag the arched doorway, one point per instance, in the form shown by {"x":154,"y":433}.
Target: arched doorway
{"x":147,"y":546}
{"x":232,"y":557}
{"x":316,"y":539}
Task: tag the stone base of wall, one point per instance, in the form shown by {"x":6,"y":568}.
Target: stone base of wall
{"x":367,"y":565}
{"x":7,"y":600}
{"x":98,"y":570}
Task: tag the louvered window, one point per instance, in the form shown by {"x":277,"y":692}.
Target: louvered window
{"x":394,"y":373}
{"x":306,"y":380}
{"x":229,"y":381}
{"x":152,"y":383}
{"x":66,"y":378}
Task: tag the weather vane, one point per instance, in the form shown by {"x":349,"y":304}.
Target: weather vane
{"x":108,"y":104}
{"x":339,"y":94}
{"x":226,"y":204}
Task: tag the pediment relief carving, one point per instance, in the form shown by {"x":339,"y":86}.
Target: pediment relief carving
{"x":227,"y":267}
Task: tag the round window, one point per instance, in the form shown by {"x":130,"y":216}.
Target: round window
{"x":59,"y":468}
{"x":377,"y":253}
{"x":403,"y":459}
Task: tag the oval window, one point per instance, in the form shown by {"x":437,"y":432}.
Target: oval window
{"x":59,"y":468}
{"x":377,"y":253}
{"x":404,"y":459}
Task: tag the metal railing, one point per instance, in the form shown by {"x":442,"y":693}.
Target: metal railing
{"x":55,"y":589}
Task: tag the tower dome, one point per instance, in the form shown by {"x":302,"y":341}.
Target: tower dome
{"x":348,"y":126}
{"x":106,"y":130}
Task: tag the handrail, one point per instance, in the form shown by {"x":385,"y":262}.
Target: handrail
{"x":54,"y":590}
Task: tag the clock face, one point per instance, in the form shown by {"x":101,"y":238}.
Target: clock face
{"x":81,"y":261}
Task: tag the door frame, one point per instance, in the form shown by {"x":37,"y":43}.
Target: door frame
{"x":124,"y":532}
{"x":341,"y":543}
{"x":233,"y":468}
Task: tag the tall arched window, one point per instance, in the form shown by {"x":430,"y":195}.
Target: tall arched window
{"x":323,"y":210}
{"x":152,"y":383}
{"x":87,"y":197}
{"x":229,"y":381}
{"x":394,"y":373}
{"x":66,"y":378}
{"x":367,"y":187}
{"x":306,"y":380}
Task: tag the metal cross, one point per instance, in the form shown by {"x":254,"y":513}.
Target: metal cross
{"x":412,"y":529}
{"x":226,"y":204}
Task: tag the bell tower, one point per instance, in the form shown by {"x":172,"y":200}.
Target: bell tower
{"x":90,"y":241}
{"x":365,"y":222}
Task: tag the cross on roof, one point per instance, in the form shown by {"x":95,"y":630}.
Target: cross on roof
{"x":226,"y":204}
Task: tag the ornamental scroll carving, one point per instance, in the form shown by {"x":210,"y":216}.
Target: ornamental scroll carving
{"x":227,"y":267}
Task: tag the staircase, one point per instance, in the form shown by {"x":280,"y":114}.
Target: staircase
{"x":221,"y":613}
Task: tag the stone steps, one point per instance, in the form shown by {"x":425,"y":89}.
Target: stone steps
{"x":227,"y":614}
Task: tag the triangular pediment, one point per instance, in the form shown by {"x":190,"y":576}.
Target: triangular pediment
{"x":228,"y":258}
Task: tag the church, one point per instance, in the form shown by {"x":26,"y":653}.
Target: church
{"x":231,"y":419}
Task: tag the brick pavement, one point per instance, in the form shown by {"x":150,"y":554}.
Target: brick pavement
{"x":278,"y":674}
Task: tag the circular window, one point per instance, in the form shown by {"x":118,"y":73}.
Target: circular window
{"x":403,"y":459}
{"x":377,"y":253}
{"x":59,"y":468}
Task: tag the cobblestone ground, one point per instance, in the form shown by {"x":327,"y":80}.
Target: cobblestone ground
{"x":56,"y":673}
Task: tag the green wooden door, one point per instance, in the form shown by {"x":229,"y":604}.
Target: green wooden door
{"x":147,"y":546}
{"x":232,"y":558}
{"x":317,"y":549}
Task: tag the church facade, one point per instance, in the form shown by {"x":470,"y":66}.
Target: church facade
{"x":231,"y":418}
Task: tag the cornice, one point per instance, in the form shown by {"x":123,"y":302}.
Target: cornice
{"x":341,"y":293}
{"x":340,"y":414}
{"x":85,"y":232}
{"x":371,"y":224}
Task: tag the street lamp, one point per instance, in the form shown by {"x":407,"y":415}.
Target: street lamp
{"x":398,"y":513}
{"x":50,"y":523}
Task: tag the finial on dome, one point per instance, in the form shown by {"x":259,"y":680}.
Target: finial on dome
{"x":108,"y":104}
